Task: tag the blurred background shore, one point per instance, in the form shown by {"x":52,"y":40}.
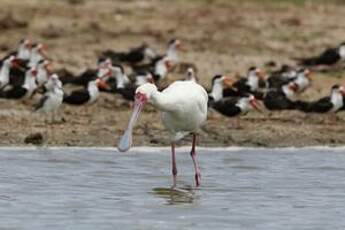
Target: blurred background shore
{"x":219,"y":37}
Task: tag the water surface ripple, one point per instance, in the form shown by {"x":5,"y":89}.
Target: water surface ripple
{"x":241,"y":189}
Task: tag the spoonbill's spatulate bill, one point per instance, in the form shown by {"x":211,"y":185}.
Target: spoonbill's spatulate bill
{"x":125,"y":142}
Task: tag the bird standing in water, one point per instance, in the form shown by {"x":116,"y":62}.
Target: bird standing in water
{"x":184,"y":109}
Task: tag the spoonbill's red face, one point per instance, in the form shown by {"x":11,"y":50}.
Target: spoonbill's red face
{"x":140,"y":98}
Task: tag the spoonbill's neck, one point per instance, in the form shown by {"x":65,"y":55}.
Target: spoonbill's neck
{"x":161,"y":101}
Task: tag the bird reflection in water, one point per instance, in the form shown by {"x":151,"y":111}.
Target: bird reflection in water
{"x":177,"y":195}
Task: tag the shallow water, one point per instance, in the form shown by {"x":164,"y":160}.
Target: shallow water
{"x":104,"y":189}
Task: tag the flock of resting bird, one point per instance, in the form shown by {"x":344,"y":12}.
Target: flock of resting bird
{"x":184,"y":104}
{"x":27,"y":71}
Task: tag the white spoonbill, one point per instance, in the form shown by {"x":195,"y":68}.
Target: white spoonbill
{"x":184,"y":109}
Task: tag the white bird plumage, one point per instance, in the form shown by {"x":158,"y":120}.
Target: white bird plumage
{"x":184,"y":109}
{"x":183,"y":105}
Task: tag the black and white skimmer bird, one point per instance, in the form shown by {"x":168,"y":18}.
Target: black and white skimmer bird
{"x":282,"y":98}
{"x":127,"y":89}
{"x":67,"y":77}
{"x":184,"y":109}
{"x":143,"y":78}
{"x":281,"y":77}
{"x":222,"y":87}
{"x":251,"y":83}
{"x":328,"y":57}
{"x":330,"y":104}
{"x":24,"y":91}
{"x":161,"y":65}
{"x":171,"y":54}
{"x":302,"y":80}
{"x":24,"y":49}
{"x":85,"y":96}
{"x":142,"y":53}
{"x":119,"y":75}
{"x":114,"y":76}
{"x":37,"y":54}
{"x":83,"y":78}
{"x":174,"y":46}
{"x":159,"y":68}
{"x":235,"y":106}
{"x":128,"y":92}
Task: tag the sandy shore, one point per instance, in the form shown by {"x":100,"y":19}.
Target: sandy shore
{"x":222,"y":37}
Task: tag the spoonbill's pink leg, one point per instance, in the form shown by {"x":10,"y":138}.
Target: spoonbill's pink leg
{"x":173,"y":160}
{"x":195,"y":162}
